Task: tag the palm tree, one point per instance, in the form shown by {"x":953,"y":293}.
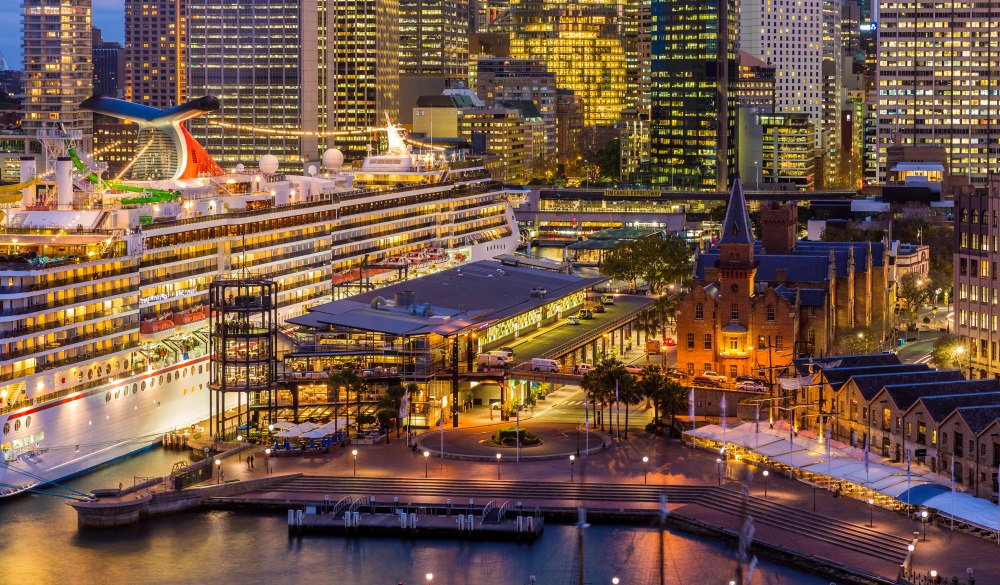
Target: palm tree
{"x":593,"y":383}
{"x":674,"y":397}
{"x":651,"y":386}
{"x":628,"y":392}
{"x":665,"y":308}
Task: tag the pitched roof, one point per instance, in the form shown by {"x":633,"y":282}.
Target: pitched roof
{"x":869,"y":385}
{"x":837,"y":377}
{"x":846,"y":361}
{"x":736,"y":227}
{"x":939,"y":407}
{"x":979,"y":417}
{"x":904,"y":395}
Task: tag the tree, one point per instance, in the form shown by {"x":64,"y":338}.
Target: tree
{"x":666,"y":308}
{"x":948,"y":352}
{"x":913,"y":291}
{"x":348,"y":379}
{"x":657,"y":261}
{"x":600,"y":383}
{"x":859,"y":340}
{"x":652,"y":384}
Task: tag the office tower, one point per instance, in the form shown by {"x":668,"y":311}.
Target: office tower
{"x":694,"y":75}
{"x":58,"y":71}
{"x":833,"y":96}
{"x":637,"y":25}
{"x":850,"y":29}
{"x":569,"y":127}
{"x":582,"y":43}
{"x":976,"y":260}
{"x":633,"y":137}
{"x":290,"y":76}
{"x":109,"y":65}
{"x":937,"y":77}
{"x":156,"y":50}
{"x":755,"y":84}
{"x":787,"y":154}
{"x":520,"y":79}
{"x":433,"y":48}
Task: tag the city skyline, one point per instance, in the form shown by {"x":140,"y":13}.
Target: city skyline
{"x":108,"y":15}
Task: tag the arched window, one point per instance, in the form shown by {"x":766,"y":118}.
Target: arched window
{"x":964,"y":215}
{"x":975,"y":216}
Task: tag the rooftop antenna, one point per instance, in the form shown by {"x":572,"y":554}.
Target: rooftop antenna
{"x":3,"y":63}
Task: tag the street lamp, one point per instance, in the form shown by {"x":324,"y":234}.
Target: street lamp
{"x":427,"y":455}
{"x":267,"y":461}
{"x":354,"y":452}
{"x":923,"y":520}
{"x":572,"y":463}
{"x":871,"y":512}
{"x":645,"y":468}
{"x":430,"y":577}
{"x":614,"y":581}
{"x":239,"y":438}
{"x":933,"y":574}
{"x":765,"y":483}
{"x":718,"y":462}
{"x":218,"y":467}
{"x":498,"y":465}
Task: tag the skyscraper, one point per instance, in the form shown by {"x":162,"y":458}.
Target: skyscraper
{"x":156,"y":52}
{"x":295,"y":76}
{"x":937,"y":82}
{"x":582,"y":43}
{"x":694,"y":74}
{"x":58,"y":71}
{"x":433,"y":48}
{"x":109,"y":66}
{"x":520,"y":79}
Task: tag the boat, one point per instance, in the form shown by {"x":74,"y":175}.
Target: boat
{"x":104,"y":343}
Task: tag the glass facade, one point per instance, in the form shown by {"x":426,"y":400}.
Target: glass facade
{"x":583,"y":44}
{"x":694,"y":74}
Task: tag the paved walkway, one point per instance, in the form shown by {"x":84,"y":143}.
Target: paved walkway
{"x":950,"y":553}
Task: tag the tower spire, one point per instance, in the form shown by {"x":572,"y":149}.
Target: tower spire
{"x":736,"y":227}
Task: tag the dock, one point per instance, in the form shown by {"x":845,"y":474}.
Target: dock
{"x":365,"y":517}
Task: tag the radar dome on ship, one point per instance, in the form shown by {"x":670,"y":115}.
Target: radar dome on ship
{"x":333,"y":159}
{"x":268,"y":164}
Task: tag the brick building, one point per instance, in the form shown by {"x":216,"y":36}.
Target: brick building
{"x":756,"y":305}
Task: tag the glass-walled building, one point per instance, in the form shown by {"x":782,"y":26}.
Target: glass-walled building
{"x":694,"y":75}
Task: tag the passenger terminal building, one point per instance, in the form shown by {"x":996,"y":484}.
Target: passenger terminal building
{"x":428,"y":331}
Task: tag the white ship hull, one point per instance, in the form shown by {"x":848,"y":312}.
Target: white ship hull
{"x":79,"y":432}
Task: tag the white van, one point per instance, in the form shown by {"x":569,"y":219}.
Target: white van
{"x":491,"y":360}
{"x":544,"y":365}
{"x":506,"y":352}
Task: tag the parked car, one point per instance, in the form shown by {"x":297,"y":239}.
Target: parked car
{"x":608,"y":299}
{"x":598,"y":309}
{"x":669,"y":341}
{"x":504,"y":351}
{"x":509,"y":350}
{"x":714,"y":376}
{"x":586,"y":314}
{"x":582,"y":368}
{"x":632,"y":368}
{"x":573,"y":320}
{"x":748,"y":386}
{"x":753,"y":379}
{"x":703,"y":381}
{"x":676,"y":374}
{"x":544,"y":365}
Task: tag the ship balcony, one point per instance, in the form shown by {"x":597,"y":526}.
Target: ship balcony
{"x":68,"y":342}
{"x":65,"y":322}
{"x":49,"y":306}
{"x":69,"y":361}
{"x":88,"y":279}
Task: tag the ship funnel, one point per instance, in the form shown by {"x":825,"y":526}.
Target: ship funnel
{"x":27,"y":174}
{"x":64,"y":181}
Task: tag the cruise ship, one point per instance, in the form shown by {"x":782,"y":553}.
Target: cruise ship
{"x":104,"y":282}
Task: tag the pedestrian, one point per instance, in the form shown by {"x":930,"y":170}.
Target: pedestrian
{"x":251,"y":463}
{"x":248,"y":462}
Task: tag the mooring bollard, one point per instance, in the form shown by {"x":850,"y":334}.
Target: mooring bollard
{"x":413,"y":521}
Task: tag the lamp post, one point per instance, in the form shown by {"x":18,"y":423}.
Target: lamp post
{"x":498,"y":465}
{"x":765,"y":483}
{"x":572,"y":463}
{"x":429,"y":577}
{"x":718,"y":463}
{"x":354,"y":452}
{"x":427,"y":455}
{"x":218,"y":467}
{"x":871,"y":512}
{"x":267,"y":461}
{"x":923,"y":520}
{"x":645,"y":468}
{"x":615,"y":581}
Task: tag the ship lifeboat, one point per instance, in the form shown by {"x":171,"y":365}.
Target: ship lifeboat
{"x":416,"y":257}
{"x":396,"y":261}
{"x":155,"y":325}
{"x":436,"y":254}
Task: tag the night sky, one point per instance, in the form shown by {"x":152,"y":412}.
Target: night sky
{"x":109,"y":16}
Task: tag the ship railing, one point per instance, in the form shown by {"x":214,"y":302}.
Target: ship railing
{"x":21,"y":331}
{"x":61,"y":344}
{"x":49,"y":306}
{"x":57,"y":282}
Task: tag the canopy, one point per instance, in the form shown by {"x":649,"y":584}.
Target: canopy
{"x":881,"y":475}
{"x":282,"y":425}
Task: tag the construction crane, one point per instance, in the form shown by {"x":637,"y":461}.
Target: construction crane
{"x":3,"y":63}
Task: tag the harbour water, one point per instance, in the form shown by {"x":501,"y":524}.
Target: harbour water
{"x":41,"y":544}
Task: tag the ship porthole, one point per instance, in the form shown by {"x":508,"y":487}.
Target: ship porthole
{"x":107,"y":397}
{"x":27,"y":423}
{"x":17,"y":425}
{"x":6,"y":428}
{"x":161,"y":378}
{"x":117,"y":394}
{"x":135,"y":389}
{"x":143,"y":386}
{"x":168,"y":377}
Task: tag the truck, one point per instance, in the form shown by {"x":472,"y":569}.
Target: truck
{"x":491,"y":361}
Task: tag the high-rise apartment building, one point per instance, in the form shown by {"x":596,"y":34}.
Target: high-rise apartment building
{"x":433,"y":48}
{"x":156,"y":52}
{"x":109,"y":65}
{"x":58,"y":71}
{"x":638,"y":58}
{"x":833,"y":95}
{"x":582,"y":43}
{"x":977,"y":258}
{"x":789,"y":35}
{"x":296,"y":76}
{"x":694,"y":75}
{"x":937,"y":82}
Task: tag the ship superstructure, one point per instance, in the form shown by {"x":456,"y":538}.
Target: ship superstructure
{"x":104,"y":283}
